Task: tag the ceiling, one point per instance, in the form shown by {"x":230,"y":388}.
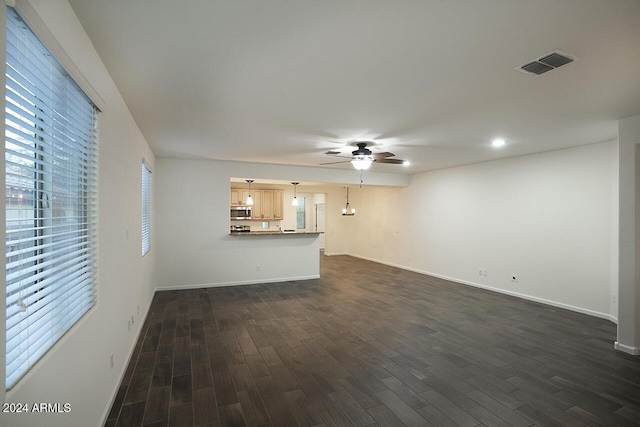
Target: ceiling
{"x":433,"y":81}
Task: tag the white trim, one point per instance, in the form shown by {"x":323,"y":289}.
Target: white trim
{"x":581,"y":310}
{"x":240,"y":283}
{"x":114,"y":393}
{"x":634,"y":351}
{"x":38,"y":26}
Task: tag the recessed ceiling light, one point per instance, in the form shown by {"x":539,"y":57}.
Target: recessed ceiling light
{"x":498,"y":142}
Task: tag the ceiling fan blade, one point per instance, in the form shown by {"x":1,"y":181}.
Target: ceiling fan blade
{"x":392,"y":161}
{"x":333,"y":163}
{"x":336,"y":154}
{"x":382,"y":155}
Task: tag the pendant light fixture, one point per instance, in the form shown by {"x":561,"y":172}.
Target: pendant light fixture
{"x":249,"y":201}
{"x":348,"y":210}
{"x":294,"y":202}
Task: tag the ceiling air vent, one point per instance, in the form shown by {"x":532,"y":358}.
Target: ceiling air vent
{"x":546,"y":63}
{"x":536,"y":67}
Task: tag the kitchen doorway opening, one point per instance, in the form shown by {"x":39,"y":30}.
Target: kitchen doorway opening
{"x":310,"y":214}
{"x":319,"y":216}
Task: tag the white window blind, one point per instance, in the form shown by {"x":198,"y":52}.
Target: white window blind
{"x":146,"y":209}
{"x":51,"y":200}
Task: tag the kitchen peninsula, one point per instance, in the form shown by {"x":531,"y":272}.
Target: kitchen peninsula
{"x":274,"y":233}
{"x":278,"y":241}
{"x":274,"y":256}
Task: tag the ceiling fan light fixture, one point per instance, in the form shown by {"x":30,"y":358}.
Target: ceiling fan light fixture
{"x":362,"y":163}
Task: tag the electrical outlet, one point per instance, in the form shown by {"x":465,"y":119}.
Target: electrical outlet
{"x":614,"y":299}
{"x":111,"y":361}
{"x":257,"y":268}
{"x":514,"y":277}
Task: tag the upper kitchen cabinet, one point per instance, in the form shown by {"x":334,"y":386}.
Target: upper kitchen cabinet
{"x":264,"y":209}
{"x":278,"y":204}
{"x":270,"y":205}
{"x":236,"y":199}
{"x":256,"y":209}
{"x":267,"y":203}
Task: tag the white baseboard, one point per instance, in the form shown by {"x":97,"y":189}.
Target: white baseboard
{"x":634,"y":351}
{"x":114,"y":393}
{"x":238,"y":283}
{"x":581,"y":310}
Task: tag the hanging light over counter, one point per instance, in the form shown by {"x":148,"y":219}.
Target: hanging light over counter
{"x":249,"y":201}
{"x":294,"y":202}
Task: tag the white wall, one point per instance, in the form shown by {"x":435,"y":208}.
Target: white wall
{"x":77,"y":370}
{"x":546,"y":218}
{"x":192,"y":222}
{"x":629,"y":235}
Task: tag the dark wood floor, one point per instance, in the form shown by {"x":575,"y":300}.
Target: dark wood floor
{"x":368,"y":345}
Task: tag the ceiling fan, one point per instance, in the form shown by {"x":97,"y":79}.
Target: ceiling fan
{"x":362,"y":158}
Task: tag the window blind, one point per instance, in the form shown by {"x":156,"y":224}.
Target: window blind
{"x":51,"y":200}
{"x":146,"y":209}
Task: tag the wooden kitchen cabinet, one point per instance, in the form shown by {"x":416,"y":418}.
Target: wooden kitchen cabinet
{"x":256,"y":209}
{"x":262,"y":205}
{"x":267,"y":204}
{"x":278,"y":200}
{"x":239,"y":196}
{"x":236,"y":199}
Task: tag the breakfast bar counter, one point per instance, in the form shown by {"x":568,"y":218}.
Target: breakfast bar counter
{"x":274,"y":233}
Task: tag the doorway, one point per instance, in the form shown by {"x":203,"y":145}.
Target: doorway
{"x":319,"y":216}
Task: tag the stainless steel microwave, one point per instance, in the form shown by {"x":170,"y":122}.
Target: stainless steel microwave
{"x":241,"y":212}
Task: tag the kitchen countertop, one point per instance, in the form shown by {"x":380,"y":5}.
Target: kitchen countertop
{"x":273,"y":233}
